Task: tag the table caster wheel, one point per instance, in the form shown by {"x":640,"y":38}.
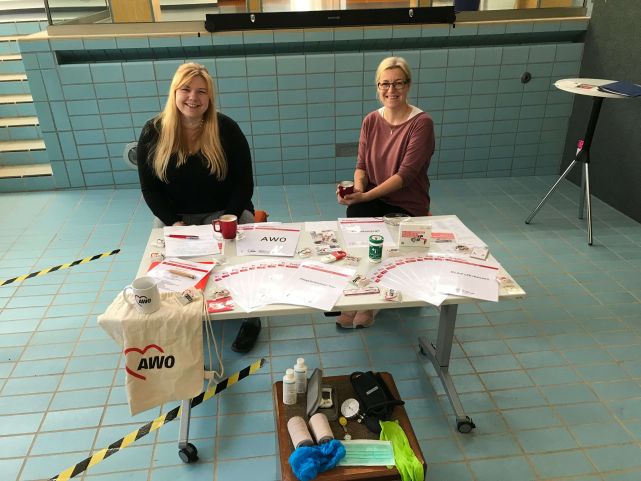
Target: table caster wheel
{"x":188,"y":454}
{"x":465,"y":425}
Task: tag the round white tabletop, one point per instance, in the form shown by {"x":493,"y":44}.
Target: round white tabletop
{"x":586,"y":86}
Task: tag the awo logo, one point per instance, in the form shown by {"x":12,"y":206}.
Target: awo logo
{"x":149,"y":362}
{"x":143,"y":300}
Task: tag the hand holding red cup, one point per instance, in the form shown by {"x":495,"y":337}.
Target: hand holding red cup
{"x":345,"y":187}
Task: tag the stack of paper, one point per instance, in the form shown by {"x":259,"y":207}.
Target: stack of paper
{"x":256,"y":284}
{"x":190,"y":241}
{"x":356,"y":231}
{"x":279,"y":281}
{"x":432,"y":278}
{"x":179,"y":274}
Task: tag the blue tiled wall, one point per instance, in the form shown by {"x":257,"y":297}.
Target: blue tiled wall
{"x":294,"y":107}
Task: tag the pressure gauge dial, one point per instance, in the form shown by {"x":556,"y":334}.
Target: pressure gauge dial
{"x":350,"y":408}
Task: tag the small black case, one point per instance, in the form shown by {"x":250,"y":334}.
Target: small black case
{"x":375,"y":398}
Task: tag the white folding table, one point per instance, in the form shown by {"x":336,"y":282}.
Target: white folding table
{"x":437,"y":354}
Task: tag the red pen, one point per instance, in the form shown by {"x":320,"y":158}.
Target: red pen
{"x":180,"y":236}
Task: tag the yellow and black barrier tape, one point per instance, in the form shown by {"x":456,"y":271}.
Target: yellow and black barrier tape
{"x":57,"y":268}
{"x":157,"y":423}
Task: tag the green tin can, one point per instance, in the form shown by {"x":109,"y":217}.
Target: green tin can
{"x":375,"y":248}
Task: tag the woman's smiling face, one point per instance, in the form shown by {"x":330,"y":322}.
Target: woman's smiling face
{"x":393,"y":97}
{"x":192,"y":99}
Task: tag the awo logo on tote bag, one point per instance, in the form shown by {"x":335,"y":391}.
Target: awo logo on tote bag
{"x":149,"y":362}
{"x":163,"y":350}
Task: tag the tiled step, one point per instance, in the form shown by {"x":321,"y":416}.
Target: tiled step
{"x":11,"y":64}
{"x":16,"y":99}
{"x":10,"y":57}
{"x":16,"y":105}
{"x":20,"y":171}
{"x":18,"y":121}
{"x":9,"y":44}
{"x":23,"y":153}
{"x":13,"y":77}
{"x":20,"y":133}
{"x":14,"y":84}
{"x":21,"y":145}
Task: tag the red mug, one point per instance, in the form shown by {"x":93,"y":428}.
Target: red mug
{"x":227,"y":225}
{"x":346,"y":187}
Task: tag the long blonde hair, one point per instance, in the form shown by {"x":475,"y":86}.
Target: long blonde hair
{"x":169,"y":122}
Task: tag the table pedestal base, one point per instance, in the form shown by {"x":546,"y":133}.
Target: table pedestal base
{"x":439,"y":357}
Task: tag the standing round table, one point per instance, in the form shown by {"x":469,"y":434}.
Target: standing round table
{"x":582,"y":86}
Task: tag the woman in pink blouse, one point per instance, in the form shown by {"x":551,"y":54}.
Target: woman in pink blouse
{"x":394,"y":152}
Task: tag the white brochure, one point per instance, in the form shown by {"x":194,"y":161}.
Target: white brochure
{"x":272,"y":283}
{"x":317,"y":285}
{"x":179,"y":274}
{"x":461,"y":234}
{"x":268,"y":240}
{"x":469,"y":279}
{"x":321,"y":225}
{"x":258,"y":283}
{"x":190,"y":241}
{"x":415,"y":276}
{"x":356,"y":231}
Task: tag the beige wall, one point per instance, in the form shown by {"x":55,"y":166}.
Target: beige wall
{"x":135,"y":10}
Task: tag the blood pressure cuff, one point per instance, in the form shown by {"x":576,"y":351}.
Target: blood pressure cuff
{"x":375,"y":398}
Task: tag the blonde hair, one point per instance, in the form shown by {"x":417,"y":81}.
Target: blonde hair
{"x":169,"y":122}
{"x":394,"y":62}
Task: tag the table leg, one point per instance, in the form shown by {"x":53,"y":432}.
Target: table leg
{"x":552,"y":189}
{"x":186,"y":451}
{"x":582,"y":195}
{"x":439,"y":356}
{"x":588,"y":199}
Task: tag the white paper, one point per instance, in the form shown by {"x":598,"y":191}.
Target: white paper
{"x":321,"y":225}
{"x":235,"y":280}
{"x":356,"y":231}
{"x":462,"y":235}
{"x":274,"y":280}
{"x":317,"y":285}
{"x":469,"y":279}
{"x":416,"y":276}
{"x":258,"y":283}
{"x":205,"y":245}
{"x":270,"y":240}
{"x":167,"y":281}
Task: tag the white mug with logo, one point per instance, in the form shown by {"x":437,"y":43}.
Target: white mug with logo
{"x":146,"y":296}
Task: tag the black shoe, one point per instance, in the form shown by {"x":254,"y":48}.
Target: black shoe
{"x":247,"y":335}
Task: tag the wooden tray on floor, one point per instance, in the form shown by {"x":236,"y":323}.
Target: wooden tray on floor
{"x":348,"y":473}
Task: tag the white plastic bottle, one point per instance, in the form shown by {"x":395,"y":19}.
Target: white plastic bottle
{"x":300,"y":373}
{"x":289,"y":387}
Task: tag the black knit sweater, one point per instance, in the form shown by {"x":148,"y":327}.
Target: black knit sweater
{"x":190,"y":188}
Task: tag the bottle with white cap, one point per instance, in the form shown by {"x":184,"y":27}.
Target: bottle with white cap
{"x":289,"y":387}
{"x":300,"y":373}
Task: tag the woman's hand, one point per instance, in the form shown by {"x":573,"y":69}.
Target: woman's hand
{"x":179,"y":223}
{"x":350,"y":199}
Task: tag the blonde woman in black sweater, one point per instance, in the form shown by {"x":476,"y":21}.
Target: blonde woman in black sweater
{"x":194,"y":164}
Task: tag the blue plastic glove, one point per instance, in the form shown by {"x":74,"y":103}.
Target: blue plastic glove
{"x":308,"y":461}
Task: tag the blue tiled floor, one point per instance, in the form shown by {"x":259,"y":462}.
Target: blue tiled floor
{"x":552,"y":381}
